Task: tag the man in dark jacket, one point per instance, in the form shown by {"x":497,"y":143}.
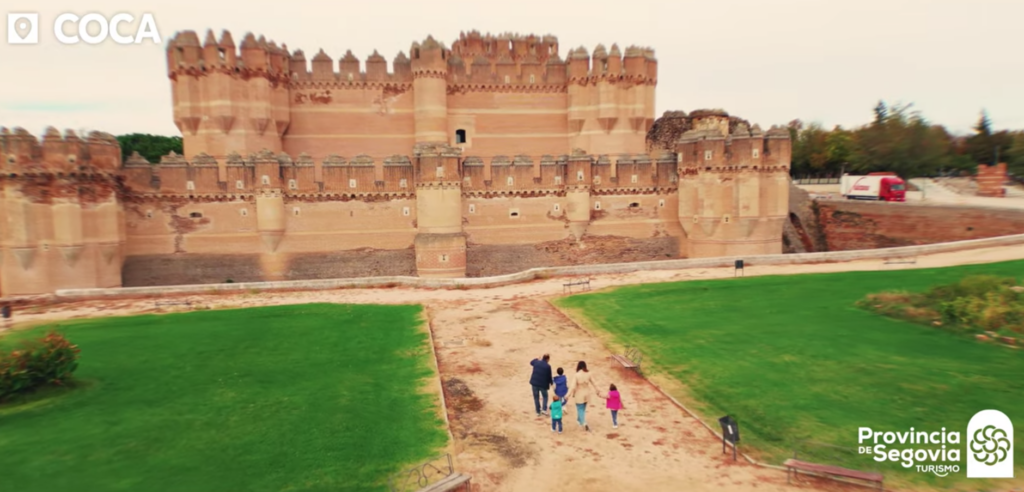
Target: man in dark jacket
{"x":541,"y":381}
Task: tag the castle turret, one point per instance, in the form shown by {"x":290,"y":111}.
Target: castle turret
{"x":225,"y":101}
{"x":732,"y":197}
{"x":65,"y":234}
{"x":430,"y":73}
{"x":578,"y":182}
{"x":440,"y":241}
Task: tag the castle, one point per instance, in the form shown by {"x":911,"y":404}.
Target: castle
{"x":490,"y":157}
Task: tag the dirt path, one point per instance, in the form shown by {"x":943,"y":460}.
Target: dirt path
{"x":484,"y":341}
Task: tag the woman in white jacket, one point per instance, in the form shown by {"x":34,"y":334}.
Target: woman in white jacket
{"x":583,"y":390}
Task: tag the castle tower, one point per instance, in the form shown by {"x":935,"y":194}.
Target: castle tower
{"x":61,"y":215}
{"x":733,"y":189}
{"x":577,"y":193}
{"x":270,"y":217}
{"x":440,"y":241}
{"x":611,"y":99}
{"x":227,"y":101}
{"x":430,"y":91}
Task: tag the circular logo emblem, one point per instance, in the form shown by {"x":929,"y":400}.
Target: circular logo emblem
{"x":990,"y":445}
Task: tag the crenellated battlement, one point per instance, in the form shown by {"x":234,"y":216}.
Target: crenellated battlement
{"x":398,"y":176}
{"x":23,"y":153}
{"x":637,"y":65}
{"x":706,"y":148}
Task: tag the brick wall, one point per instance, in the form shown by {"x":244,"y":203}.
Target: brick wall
{"x":850,"y":225}
{"x":991,"y":179}
{"x":486,"y":260}
{"x":186,"y":269}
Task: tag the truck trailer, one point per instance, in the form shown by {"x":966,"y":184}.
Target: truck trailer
{"x":875,"y":186}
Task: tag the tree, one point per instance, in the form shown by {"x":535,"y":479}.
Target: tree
{"x":152,"y":147}
{"x":1015,"y":155}
{"x":985,"y":147}
{"x":900,"y":141}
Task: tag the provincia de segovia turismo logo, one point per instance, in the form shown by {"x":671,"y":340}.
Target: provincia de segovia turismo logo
{"x":987,"y":447}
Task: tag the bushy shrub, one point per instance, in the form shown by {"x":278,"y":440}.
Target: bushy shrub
{"x":47,"y":361}
{"x":975,"y":303}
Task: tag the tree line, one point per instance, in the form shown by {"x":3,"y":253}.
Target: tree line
{"x":900,"y":140}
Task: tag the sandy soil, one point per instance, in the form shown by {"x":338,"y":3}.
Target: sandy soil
{"x":484,"y":341}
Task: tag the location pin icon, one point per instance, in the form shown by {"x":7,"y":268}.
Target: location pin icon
{"x":23,"y":27}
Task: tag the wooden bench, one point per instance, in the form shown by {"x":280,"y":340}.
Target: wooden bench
{"x":435,"y":475}
{"x":631,"y":359}
{"x":902,"y":261}
{"x":796,"y":465}
{"x":583,"y":283}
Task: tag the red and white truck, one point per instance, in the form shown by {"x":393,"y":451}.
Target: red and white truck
{"x":875,"y":186}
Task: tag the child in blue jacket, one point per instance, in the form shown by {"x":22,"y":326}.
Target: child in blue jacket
{"x":561,"y":385}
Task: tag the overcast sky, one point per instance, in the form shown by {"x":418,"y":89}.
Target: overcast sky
{"x":768,"y":61}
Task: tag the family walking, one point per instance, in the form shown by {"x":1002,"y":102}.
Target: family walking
{"x":581,"y":389}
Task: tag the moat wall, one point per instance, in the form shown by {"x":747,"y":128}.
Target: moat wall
{"x":853,"y":225}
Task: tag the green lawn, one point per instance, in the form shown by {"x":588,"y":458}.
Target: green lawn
{"x":791,"y":358}
{"x":313,"y":397}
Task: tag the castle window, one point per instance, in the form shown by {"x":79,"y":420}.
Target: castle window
{"x":440,"y":172}
{"x":149,"y":214}
{"x":443,"y":258}
{"x":265,"y":180}
{"x":756,"y":153}
{"x":508,"y":80}
{"x":472,"y":208}
{"x":514,"y":213}
{"x":597,"y":180}
{"x":351,"y":183}
{"x":511,"y":181}
{"x":467,"y":181}
{"x":597,"y":205}
{"x":579,"y":175}
{"x":220,"y":53}
{"x":460,"y":136}
{"x":725,"y":219}
{"x":196,"y":215}
{"x":295,"y":211}
{"x":633,"y":179}
{"x":350,"y":76}
{"x":403,"y":183}
{"x":243,"y":212}
{"x":558,"y":180}
{"x":604,"y":66}
{"x":707,"y":155}
{"x":405,"y":211}
{"x":292,"y":184}
{"x":190,"y":186}
{"x":661,"y":203}
{"x":239,"y":185}
{"x":673,"y":178}
{"x":634,"y":205}
{"x":533,"y":79}
{"x":558,"y":207}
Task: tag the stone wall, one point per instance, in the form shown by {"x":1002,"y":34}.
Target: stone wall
{"x":485,"y":260}
{"x":535,"y":273}
{"x":197,"y":269}
{"x":855,"y":225}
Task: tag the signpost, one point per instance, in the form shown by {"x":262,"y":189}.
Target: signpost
{"x":6,"y":312}
{"x":730,"y":433}
{"x":739,"y":268}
